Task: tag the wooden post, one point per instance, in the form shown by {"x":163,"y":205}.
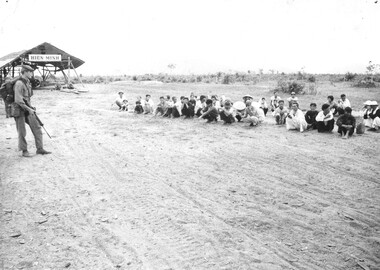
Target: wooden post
{"x":68,"y":72}
{"x":77,"y":75}
{"x":64,"y":74}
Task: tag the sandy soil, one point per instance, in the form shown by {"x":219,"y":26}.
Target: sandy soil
{"x":132,"y":192}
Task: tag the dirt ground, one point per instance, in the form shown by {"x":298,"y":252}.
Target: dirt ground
{"x":122,"y":191}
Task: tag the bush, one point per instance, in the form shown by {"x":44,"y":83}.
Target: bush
{"x":349,"y":76}
{"x":291,"y":86}
{"x":227,"y":79}
{"x":365,"y":83}
{"x":311,"y":79}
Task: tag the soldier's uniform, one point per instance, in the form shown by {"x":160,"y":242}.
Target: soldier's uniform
{"x":23,"y":90}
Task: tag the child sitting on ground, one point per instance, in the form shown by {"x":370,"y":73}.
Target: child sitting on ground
{"x":211,"y":113}
{"x":227,"y":113}
{"x":310,"y":116}
{"x":139,"y":106}
{"x":280,"y":113}
{"x":346,"y":123}
{"x":124,"y":106}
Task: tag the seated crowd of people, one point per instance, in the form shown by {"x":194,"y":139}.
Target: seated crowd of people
{"x":214,"y":108}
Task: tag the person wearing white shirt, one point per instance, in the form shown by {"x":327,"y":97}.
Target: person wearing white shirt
{"x":216,"y":102}
{"x":274,"y":100}
{"x":343,"y":103}
{"x":375,"y":116}
{"x":280,"y":113}
{"x":227,"y":113}
{"x":177,"y":106}
{"x":169,"y":107}
{"x":292,"y":99}
{"x":366,"y":111}
{"x":148,"y":105}
{"x":296,"y":119}
{"x":263,"y":105}
{"x":119,"y":100}
{"x":325,"y":119}
{"x":200,"y":106}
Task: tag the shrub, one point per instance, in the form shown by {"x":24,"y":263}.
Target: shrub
{"x":227,"y":79}
{"x":365,"y":83}
{"x":291,"y":86}
{"x":349,"y":76}
{"x":311,"y":79}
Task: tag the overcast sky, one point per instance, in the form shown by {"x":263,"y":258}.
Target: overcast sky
{"x":199,"y":36}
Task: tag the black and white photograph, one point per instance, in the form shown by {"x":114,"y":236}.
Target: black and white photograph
{"x":181,"y":135}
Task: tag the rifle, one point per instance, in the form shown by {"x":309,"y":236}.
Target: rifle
{"x":35,"y":114}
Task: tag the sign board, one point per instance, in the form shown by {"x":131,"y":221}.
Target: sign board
{"x":44,"y":57}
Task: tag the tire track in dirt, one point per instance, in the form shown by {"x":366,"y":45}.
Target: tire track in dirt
{"x":180,"y":240}
{"x":316,"y":195}
{"x":281,"y":254}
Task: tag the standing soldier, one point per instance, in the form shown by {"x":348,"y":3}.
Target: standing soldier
{"x":25,"y":114}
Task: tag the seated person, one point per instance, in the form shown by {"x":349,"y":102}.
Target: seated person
{"x":368,"y":121}
{"x":139,"y":106}
{"x":124,"y":106}
{"x":148,"y":105}
{"x":201,"y":106}
{"x":251,"y":114}
{"x":211,"y":113}
{"x":333,"y":105}
{"x":247,"y":97}
{"x":176,"y":109}
{"x":343,"y":103}
{"x":169,"y":107}
{"x":216,"y":102}
{"x":187,"y":108}
{"x":346,"y":123}
{"x":296,"y":119}
{"x":375,"y":116}
{"x":292,"y":99}
{"x":280,"y":113}
{"x":161,"y":107}
{"x":310,"y":116}
{"x":119,"y":100}
{"x":263,"y":105}
{"x":193,"y":99}
{"x":227,"y":113}
{"x":274,"y":100}
{"x":325,"y":119}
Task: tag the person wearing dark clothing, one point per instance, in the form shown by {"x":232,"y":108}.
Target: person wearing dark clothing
{"x":310,"y":116}
{"x":211,"y":114}
{"x":187,"y":108}
{"x":333,"y":105}
{"x":346,"y":123}
{"x":227,"y":113}
{"x":193,"y":100}
{"x":139,"y":108}
{"x":201,"y":108}
{"x":325,"y":119}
